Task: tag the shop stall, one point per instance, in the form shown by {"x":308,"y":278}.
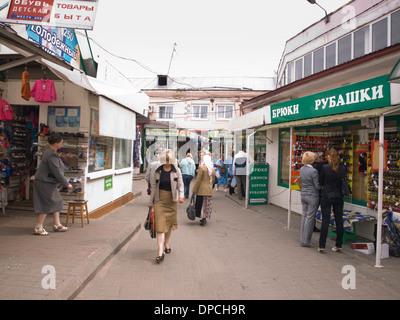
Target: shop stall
{"x":97,"y":121}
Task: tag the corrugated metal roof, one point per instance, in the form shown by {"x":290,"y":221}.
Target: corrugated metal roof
{"x":207,"y":83}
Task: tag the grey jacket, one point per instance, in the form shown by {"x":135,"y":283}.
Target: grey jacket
{"x":309,"y":181}
{"x":51,"y":169}
{"x":176,"y":185}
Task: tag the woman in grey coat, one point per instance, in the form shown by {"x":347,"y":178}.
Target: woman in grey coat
{"x":310,"y":189}
{"x":47,"y":199}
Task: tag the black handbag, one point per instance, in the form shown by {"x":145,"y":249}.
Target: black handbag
{"x":345,"y":188}
{"x":150,"y":223}
{"x":191,"y":209}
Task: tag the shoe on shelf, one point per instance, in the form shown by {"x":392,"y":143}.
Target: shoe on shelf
{"x":59,"y":228}
{"x":336,"y":249}
{"x":40,"y":232}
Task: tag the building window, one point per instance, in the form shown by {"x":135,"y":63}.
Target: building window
{"x":224,"y":112}
{"x":308,"y":65}
{"x":291,"y":72}
{"x":200,"y":112}
{"x":361,"y":42}
{"x":165,"y":112}
{"x":123,"y":153}
{"x":379,"y":35}
{"x":299,"y":69}
{"x":344,"y":49}
{"x":100,"y":153}
{"x":331,"y":55}
{"x":395,"y":27}
{"x":318,"y":64}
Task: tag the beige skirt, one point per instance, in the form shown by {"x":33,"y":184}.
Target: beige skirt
{"x":166,"y":212}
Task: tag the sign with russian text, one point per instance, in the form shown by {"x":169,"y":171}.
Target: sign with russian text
{"x":60,"y":42}
{"x":76,"y":14}
{"x":369,"y":94}
{"x":258,"y":184}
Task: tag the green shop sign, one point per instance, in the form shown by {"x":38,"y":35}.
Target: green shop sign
{"x":108,"y":183}
{"x":258,"y":184}
{"x":369,"y":94}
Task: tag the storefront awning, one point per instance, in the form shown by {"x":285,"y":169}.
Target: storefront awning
{"x":126,"y":96}
{"x":394,"y":76}
{"x":391,"y":110}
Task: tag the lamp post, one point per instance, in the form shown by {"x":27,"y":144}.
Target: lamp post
{"x":327,"y":18}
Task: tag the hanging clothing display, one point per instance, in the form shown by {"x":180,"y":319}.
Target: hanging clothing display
{"x":44,"y":91}
{"x":26,"y":87}
{"x":6,"y":112}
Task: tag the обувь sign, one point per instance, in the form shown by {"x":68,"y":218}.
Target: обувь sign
{"x":74,"y":14}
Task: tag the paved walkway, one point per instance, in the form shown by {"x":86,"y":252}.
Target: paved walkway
{"x":239,"y":254}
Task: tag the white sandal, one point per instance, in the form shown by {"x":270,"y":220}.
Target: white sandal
{"x":59,"y":228}
{"x":40,"y":232}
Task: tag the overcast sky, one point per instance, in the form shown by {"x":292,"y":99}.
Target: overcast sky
{"x":214,"y":37}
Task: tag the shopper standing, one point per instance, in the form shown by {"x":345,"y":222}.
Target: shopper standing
{"x":239,"y":171}
{"x":330,"y":179}
{"x":188,"y":168}
{"x":166,"y":192}
{"x":203,"y":189}
{"x":223,"y":173}
{"x":47,"y":198}
{"x":310,"y":189}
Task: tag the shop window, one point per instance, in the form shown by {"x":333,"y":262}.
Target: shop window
{"x":344,"y":49}
{"x":123,"y":152}
{"x":166,"y":112}
{"x":361,"y":42}
{"x":299,"y":69}
{"x":224,"y":112}
{"x":395,"y":27}
{"x":284,"y":158}
{"x":200,"y":112}
{"x":318,"y":63}
{"x":308,"y":65}
{"x":331,"y":55}
{"x":100,"y":153}
{"x":379,"y":35}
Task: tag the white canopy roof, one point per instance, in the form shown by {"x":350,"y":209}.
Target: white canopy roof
{"x":127,"y":96}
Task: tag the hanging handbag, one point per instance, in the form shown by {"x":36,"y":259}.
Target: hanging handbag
{"x":150,"y":223}
{"x":345,"y":188}
{"x":191,"y":209}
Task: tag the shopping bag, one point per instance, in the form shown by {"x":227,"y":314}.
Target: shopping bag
{"x":191,"y":209}
{"x":233,"y":182}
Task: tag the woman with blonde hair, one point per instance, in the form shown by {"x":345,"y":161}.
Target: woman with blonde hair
{"x":330,"y":179}
{"x":310,"y":189}
{"x":167,"y":191}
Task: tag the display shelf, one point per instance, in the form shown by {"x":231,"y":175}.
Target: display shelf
{"x":391,"y":176}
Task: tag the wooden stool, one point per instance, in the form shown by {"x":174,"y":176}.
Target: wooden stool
{"x":82,"y":204}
